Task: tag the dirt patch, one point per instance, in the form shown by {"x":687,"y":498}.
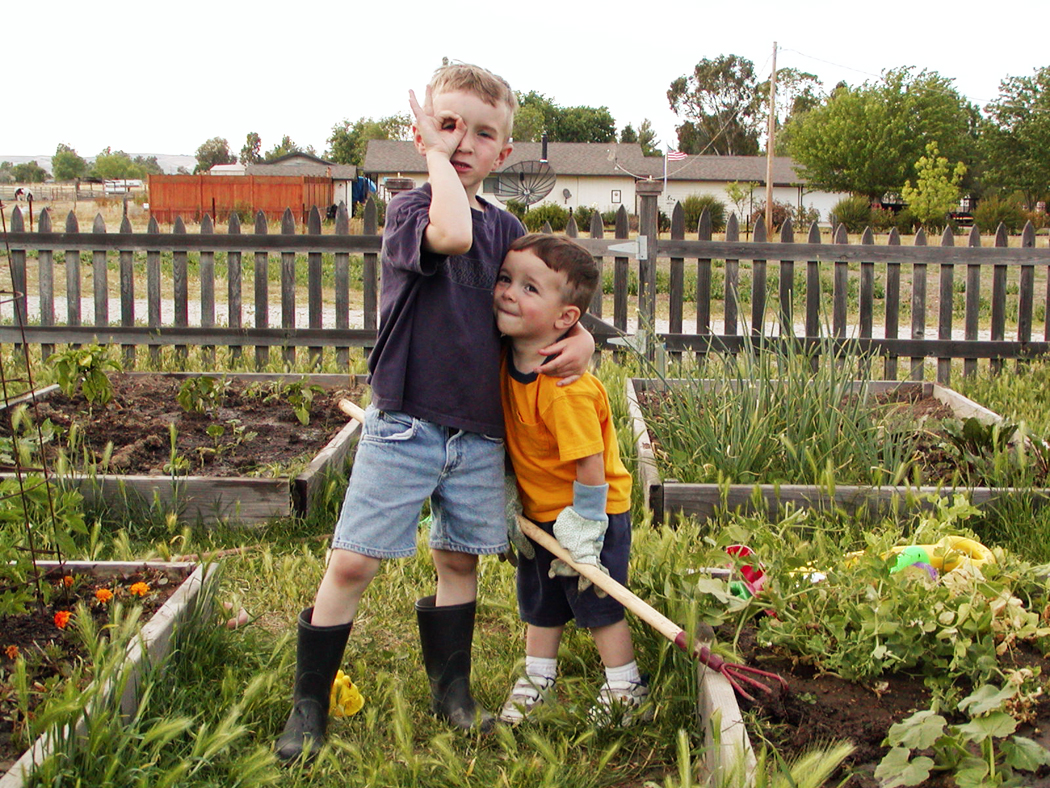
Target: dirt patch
{"x":245,"y":429}
{"x":44,"y":638}
{"x":818,"y":708}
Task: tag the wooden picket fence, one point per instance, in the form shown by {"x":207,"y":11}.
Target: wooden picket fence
{"x":855,"y":294}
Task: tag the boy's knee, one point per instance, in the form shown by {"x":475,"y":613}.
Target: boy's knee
{"x":349,"y":568}
{"x":455,"y":563}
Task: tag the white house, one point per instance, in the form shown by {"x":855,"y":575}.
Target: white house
{"x":603,"y":175}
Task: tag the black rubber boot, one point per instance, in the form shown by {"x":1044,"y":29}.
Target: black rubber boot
{"x":446,"y":635}
{"x":318,"y":655}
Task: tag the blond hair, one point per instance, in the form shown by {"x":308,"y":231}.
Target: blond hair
{"x":490,"y":88}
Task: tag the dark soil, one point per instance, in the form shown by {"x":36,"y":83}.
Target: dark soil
{"x":49,"y":651}
{"x":819,"y":708}
{"x":261,"y":432}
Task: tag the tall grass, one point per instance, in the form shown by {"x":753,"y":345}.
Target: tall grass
{"x":776,"y":417}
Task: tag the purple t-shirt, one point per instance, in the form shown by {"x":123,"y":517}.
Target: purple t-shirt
{"x":437,"y":353}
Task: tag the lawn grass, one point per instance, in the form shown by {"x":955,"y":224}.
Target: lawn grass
{"x":219,"y":703}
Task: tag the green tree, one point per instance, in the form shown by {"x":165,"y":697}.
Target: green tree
{"x":213,"y":151}
{"x":562,"y":124}
{"x":67,"y":164}
{"x":149,"y":165}
{"x":628,"y":134}
{"x":647,"y":139}
{"x":719,"y":106}
{"x":1015,"y":138}
{"x":116,"y":165}
{"x":250,"y":152}
{"x":29,"y":172}
{"x":797,"y":93}
{"x":867,"y":140}
{"x":936,"y":191}
{"x":283,"y":148}
{"x":349,"y":141}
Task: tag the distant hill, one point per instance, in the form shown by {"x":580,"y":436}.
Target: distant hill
{"x":170,"y":163}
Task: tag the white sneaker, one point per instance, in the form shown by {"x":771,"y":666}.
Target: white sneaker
{"x":528,"y":693}
{"x":623,"y":703}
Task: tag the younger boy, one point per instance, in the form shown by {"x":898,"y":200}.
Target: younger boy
{"x":562,"y":444}
{"x":434,"y":428}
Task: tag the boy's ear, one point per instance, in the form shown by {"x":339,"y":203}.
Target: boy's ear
{"x":508,"y":148}
{"x":569,"y":316}
{"x":417,"y":138}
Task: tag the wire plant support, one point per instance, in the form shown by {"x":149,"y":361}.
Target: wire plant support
{"x":14,"y":458}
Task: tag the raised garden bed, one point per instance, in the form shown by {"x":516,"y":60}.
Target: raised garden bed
{"x":668,"y":498}
{"x":214,"y":483}
{"x":190,"y":582}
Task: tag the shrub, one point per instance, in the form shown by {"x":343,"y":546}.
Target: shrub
{"x":609,"y":218}
{"x":1039,"y":219}
{"x":519,"y":209}
{"x":854,"y":212}
{"x":694,"y":206}
{"x":907,"y":222}
{"x":781,"y":211}
{"x":583,"y":215}
{"x":803,"y":217}
{"x":882,"y":219}
{"x":547,"y":212}
{"x":991,"y":211}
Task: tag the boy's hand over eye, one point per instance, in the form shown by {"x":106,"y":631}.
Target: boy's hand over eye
{"x":440,"y":132}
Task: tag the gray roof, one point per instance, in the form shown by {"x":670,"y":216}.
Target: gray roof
{"x":339,"y":172}
{"x":599,"y":158}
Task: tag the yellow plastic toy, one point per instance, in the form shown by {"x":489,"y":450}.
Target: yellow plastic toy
{"x":944,"y":556}
{"x":346,"y":699}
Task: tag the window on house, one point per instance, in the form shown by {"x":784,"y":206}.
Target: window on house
{"x":615,"y":195}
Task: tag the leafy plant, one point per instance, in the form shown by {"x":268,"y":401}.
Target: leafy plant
{"x":982,"y":752}
{"x":299,"y":394}
{"x":854,"y":212}
{"x":202,"y":394}
{"x":694,"y":206}
{"x":84,"y":368}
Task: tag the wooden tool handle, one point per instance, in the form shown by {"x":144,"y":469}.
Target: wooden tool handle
{"x":352,"y":409}
{"x":620,"y":593}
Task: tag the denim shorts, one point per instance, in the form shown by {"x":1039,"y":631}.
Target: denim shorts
{"x":552,"y":602}
{"x":402,"y":461}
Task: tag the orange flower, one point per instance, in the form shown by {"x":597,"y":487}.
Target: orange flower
{"x":67,"y":581}
{"x":12,"y":652}
{"x":62,"y":618}
{"x":103,"y":595}
{"x":139,"y":589}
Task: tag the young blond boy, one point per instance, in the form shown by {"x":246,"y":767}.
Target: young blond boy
{"x":434,"y":428}
{"x":562,"y":444}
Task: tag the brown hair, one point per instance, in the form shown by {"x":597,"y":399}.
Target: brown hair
{"x":489,"y":87}
{"x":566,"y":256}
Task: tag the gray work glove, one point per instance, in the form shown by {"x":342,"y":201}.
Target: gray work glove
{"x":511,"y":510}
{"x":580,"y":529}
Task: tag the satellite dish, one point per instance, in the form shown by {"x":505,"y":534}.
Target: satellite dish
{"x":526,"y":182}
{"x":566,"y":194}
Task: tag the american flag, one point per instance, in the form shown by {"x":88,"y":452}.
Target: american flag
{"x":675,"y":155}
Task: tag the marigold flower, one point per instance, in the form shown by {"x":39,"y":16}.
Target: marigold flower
{"x":67,"y":581}
{"x":12,"y":652}
{"x":62,"y":618}
{"x":139,"y":589}
{"x":103,"y":595}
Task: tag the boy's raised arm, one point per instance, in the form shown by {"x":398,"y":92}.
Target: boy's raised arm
{"x":450,"y":230}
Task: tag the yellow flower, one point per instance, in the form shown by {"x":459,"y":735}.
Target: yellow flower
{"x":12,"y":652}
{"x":62,"y":618}
{"x":103,"y":595}
{"x":346,"y":699}
{"x":139,"y":589}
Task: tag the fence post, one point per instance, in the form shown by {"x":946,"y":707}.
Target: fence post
{"x":207,"y":282}
{"x":100,"y":276}
{"x":918,"y":307}
{"x":731,"y":301}
{"x":127,"y":291}
{"x":233,"y":284}
{"x":787,"y":282}
{"x":703,"y":281}
{"x":18,"y":270}
{"x":648,"y":227}
{"x":315,"y":296}
{"x":288,"y":286}
{"x":893,"y":302}
{"x":998,"y":327}
{"x":262,"y":299}
{"x":1026,"y":290}
{"x":181,"y":286}
{"x":944,"y":319}
{"x":47,"y":283}
{"x":342,"y":286}
{"x":153,"y":311}
{"x":72,"y":274}
{"x":676,"y":282}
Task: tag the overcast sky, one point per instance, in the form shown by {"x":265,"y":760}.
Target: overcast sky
{"x":165,"y":77}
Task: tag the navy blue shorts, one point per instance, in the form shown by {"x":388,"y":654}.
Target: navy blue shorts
{"x":553,"y":602}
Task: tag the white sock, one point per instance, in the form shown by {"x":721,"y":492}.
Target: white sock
{"x":628,"y":672}
{"x":541,"y":667}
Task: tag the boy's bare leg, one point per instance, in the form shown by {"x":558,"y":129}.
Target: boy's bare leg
{"x":543,"y":642}
{"x":457,"y":574}
{"x":614,"y":644}
{"x":345,"y":580}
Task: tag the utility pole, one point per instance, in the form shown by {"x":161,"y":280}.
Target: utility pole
{"x":771,"y":143}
